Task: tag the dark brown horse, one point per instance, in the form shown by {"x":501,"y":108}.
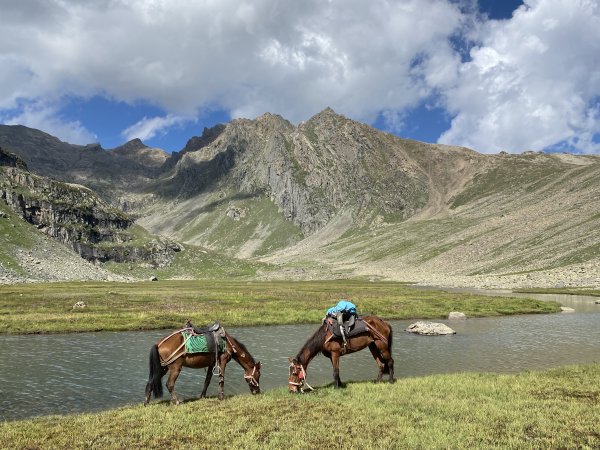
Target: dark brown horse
{"x":169,"y":355}
{"x":378,"y":338}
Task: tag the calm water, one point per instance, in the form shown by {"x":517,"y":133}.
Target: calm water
{"x":71,"y":373}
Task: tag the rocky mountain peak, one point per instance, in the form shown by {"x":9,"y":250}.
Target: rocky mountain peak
{"x":327,"y":115}
{"x":132,"y":145}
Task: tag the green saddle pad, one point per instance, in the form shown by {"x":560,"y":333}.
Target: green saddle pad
{"x":198,"y":344}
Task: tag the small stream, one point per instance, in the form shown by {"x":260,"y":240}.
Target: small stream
{"x":71,"y":373}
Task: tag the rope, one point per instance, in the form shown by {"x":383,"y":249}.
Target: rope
{"x":375,"y":332}
{"x":171,"y":357}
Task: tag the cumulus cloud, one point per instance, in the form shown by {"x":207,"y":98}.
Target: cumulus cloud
{"x":528,"y":83}
{"x":149,"y":127}
{"x":532,"y":82}
{"x":245,"y":56}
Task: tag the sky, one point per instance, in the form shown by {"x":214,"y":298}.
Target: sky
{"x":491,"y":75}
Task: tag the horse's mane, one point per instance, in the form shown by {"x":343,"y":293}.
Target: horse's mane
{"x":313,"y":345}
{"x":244,"y":349}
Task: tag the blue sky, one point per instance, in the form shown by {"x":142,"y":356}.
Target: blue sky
{"x":491,"y":75}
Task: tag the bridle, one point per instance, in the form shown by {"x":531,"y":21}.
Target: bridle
{"x":302,"y":376}
{"x":250,"y":378}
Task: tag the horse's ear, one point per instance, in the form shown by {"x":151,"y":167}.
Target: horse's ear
{"x":290,"y":359}
{"x":257,"y":365}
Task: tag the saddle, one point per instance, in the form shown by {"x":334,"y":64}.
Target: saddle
{"x":350,"y":325}
{"x":212,"y":335}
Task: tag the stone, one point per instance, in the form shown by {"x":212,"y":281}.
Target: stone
{"x":79,"y":305}
{"x":455,"y":315}
{"x":430,"y":328}
{"x":597,"y":302}
{"x":154,"y":278}
{"x":566,"y":309}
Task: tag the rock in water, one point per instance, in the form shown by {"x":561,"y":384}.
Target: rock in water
{"x":430,"y":328}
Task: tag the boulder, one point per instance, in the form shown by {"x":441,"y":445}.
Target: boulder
{"x":79,"y":305}
{"x":154,"y":278}
{"x":455,"y":315}
{"x":566,"y":309}
{"x":430,"y":328}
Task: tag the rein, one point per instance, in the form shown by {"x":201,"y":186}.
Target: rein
{"x":303,"y":381}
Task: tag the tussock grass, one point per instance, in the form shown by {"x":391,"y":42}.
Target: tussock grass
{"x":41,"y":308}
{"x":558,"y":408}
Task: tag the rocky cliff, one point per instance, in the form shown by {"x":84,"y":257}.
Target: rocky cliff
{"x":76,"y":216}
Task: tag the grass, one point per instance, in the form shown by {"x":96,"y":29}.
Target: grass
{"x":15,"y":234}
{"x":558,"y":408}
{"x":262,"y":222}
{"x":48,"y":308}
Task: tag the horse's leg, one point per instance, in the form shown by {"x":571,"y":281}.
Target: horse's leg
{"x":386,"y":354}
{"x":378,"y":359}
{"x":335,"y":362}
{"x":207,"y":380}
{"x":174,"y":370}
{"x":390,"y":364}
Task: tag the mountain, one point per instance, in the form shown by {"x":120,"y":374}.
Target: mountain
{"x":110,"y":172}
{"x":332,"y":197}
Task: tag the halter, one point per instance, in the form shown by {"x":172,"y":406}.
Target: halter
{"x":303,"y":381}
{"x":250,"y":378}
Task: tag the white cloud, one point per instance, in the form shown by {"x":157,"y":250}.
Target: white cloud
{"x":533,"y":81}
{"x":46,"y":117}
{"x":149,"y":127}
{"x":247,"y":57}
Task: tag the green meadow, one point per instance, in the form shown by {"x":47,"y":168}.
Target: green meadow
{"x":553,"y":409}
{"x":49,"y":307}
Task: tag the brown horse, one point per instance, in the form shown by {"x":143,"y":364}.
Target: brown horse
{"x":169,"y":355}
{"x":378,"y":338}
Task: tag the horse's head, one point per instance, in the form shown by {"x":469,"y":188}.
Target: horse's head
{"x":296,"y":380}
{"x":252,"y":377}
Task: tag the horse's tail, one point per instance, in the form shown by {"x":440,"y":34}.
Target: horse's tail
{"x":155,"y":378}
{"x":390,"y":339}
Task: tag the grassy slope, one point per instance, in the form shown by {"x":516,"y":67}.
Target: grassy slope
{"x":558,"y":408}
{"x":526,"y":212}
{"x":15,"y":234}
{"x":37,"y":308}
{"x":260,"y":229}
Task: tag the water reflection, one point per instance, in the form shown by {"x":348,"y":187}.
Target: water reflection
{"x":48,"y":374}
